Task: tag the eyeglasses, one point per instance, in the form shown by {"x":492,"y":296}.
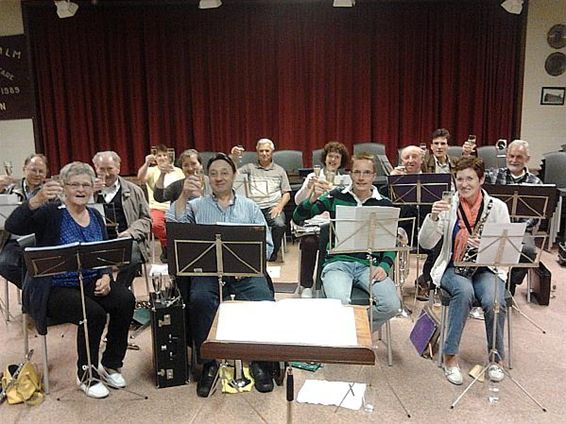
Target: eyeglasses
{"x":76,"y":186}
{"x":358,"y":173}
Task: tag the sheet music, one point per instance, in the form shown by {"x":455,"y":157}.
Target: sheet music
{"x":5,"y":212}
{"x":491,"y":241}
{"x":9,"y":199}
{"x":352,"y":228}
{"x":317,"y":322}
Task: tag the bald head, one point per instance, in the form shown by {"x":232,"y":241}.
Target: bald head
{"x":412,"y":159}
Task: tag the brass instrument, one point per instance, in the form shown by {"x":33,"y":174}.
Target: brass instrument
{"x":471,"y":253}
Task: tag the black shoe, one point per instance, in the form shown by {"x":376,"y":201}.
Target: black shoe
{"x":273,"y":258}
{"x":423,"y":289}
{"x":261,"y":372}
{"x":163,"y":256}
{"x":209,"y":372}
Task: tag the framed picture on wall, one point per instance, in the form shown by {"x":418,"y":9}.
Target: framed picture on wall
{"x":552,"y":96}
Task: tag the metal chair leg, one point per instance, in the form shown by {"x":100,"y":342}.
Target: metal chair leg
{"x":388,"y":341}
{"x":45,"y":365}
{"x":442,"y":337}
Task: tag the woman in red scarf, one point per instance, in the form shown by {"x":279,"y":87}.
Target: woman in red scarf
{"x":454,"y":221}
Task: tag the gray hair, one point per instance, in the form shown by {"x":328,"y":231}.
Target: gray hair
{"x":188,"y":153}
{"x":411,"y":147}
{"x":77,"y":168}
{"x":110,"y":153}
{"x":265,"y":141}
{"x":520,"y":143}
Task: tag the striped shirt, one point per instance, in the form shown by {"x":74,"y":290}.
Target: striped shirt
{"x":346,"y":197}
{"x":207,"y":210}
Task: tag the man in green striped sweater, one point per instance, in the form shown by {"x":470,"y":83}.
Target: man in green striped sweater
{"x":342,"y":272}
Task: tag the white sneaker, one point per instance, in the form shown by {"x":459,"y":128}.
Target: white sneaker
{"x":306,"y":293}
{"x":95,"y":390}
{"x":495,"y":373}
{"x":111,"y":377}
{"x":477,"y":313}
{"x":453,"y":375}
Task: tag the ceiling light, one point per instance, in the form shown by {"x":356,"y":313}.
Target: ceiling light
{"x":513,"y":6}
{"x":66,"y":8}
{"x":344,"y":3}
{"x":209,"y":4}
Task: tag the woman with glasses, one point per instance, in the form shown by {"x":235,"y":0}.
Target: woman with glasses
{"x":457,"y":221}
{"x":334,"y":156}
{"x":58,"y":215}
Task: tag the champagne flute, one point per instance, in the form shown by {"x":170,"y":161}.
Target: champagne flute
{"x":423,"y":147}
{"x":472,"y":141}
{"x":330,"y":175}
{"x":316,"y":169}
{"x":8,"y":168}
{"x":198,"y":173}
{"x":447,"y":197}
{"x":153,"y":150}
{"x":171,"y":155}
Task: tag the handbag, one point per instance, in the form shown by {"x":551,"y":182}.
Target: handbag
{"x":540,"y":283}
{"x":425,"y":333}
{"x":22,"y":384}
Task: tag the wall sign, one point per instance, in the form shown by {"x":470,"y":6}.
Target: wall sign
{"x":16,"y":100}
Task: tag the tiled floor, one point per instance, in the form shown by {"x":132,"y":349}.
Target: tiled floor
{"x":412,"y":383}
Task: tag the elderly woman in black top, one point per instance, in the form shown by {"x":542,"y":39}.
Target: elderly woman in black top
{"x":56,"y":222}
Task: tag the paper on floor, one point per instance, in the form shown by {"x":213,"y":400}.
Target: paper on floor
{"x":324,"y":392}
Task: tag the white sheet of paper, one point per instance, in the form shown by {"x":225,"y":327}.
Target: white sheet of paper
{"x":274,"y":271}
{"x":352,"y":228}
{"x":315,"y":322}
{"x":324,"y":392}
{"x":491,"y":241}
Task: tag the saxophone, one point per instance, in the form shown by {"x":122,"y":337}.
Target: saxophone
{"x":471,"y":253}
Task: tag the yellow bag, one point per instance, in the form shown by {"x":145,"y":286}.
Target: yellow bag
{"x":27,"y":386}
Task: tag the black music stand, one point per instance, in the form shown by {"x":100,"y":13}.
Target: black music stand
{"x":76,"y":257}
{"x":417,"y":190}
{"x":221,"y":250}
{"x":372,"y":229}
{"x":527,"y":201}
{"x":498,"y":249}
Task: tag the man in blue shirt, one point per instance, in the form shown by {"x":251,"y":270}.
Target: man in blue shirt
{"x":222,"y":206}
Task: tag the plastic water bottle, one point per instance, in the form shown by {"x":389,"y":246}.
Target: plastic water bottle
{"x":492,"y":392}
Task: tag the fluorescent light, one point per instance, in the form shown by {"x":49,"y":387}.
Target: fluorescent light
{"x":344,"y":3}
{"x":209,"y":4}
{"x":513,"y":6}
{"x":66,"y":8}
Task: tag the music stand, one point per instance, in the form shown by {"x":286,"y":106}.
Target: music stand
{"x":527,"y":201}
{"x":500,"y":246}
{"x":221,"y":250}
{"x":76,"y":257}
{"x":417,"y":190}
{"x":369,"y":229}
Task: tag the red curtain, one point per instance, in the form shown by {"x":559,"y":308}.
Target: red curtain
{"x":128,"y":77}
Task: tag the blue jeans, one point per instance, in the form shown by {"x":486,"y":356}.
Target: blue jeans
{"x":463,"y":292}
{"x":278,"y":227}
{"x":338,"y":279}
{"x":204,"y":299}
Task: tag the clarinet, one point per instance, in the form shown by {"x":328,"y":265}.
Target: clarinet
{"x":471,"y":253}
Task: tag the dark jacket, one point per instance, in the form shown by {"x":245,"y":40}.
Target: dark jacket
{"x":45,"y":222}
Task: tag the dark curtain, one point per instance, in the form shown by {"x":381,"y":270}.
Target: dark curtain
{"x":125,"y":77}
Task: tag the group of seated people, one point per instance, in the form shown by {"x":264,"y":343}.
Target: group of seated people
{"x":58,"y":213}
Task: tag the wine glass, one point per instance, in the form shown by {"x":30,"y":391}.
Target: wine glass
{"x":153,"y":150}
{"x":423,"y":147}
{"x":447,"y":197}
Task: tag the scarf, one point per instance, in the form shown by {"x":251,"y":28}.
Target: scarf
{"x":471,"y":211}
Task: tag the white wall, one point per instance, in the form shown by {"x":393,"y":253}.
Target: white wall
{"x":16,"y":137}
{"x":544,"y":127}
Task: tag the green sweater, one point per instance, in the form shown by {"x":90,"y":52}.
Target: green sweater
{"x":328,"y":203}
